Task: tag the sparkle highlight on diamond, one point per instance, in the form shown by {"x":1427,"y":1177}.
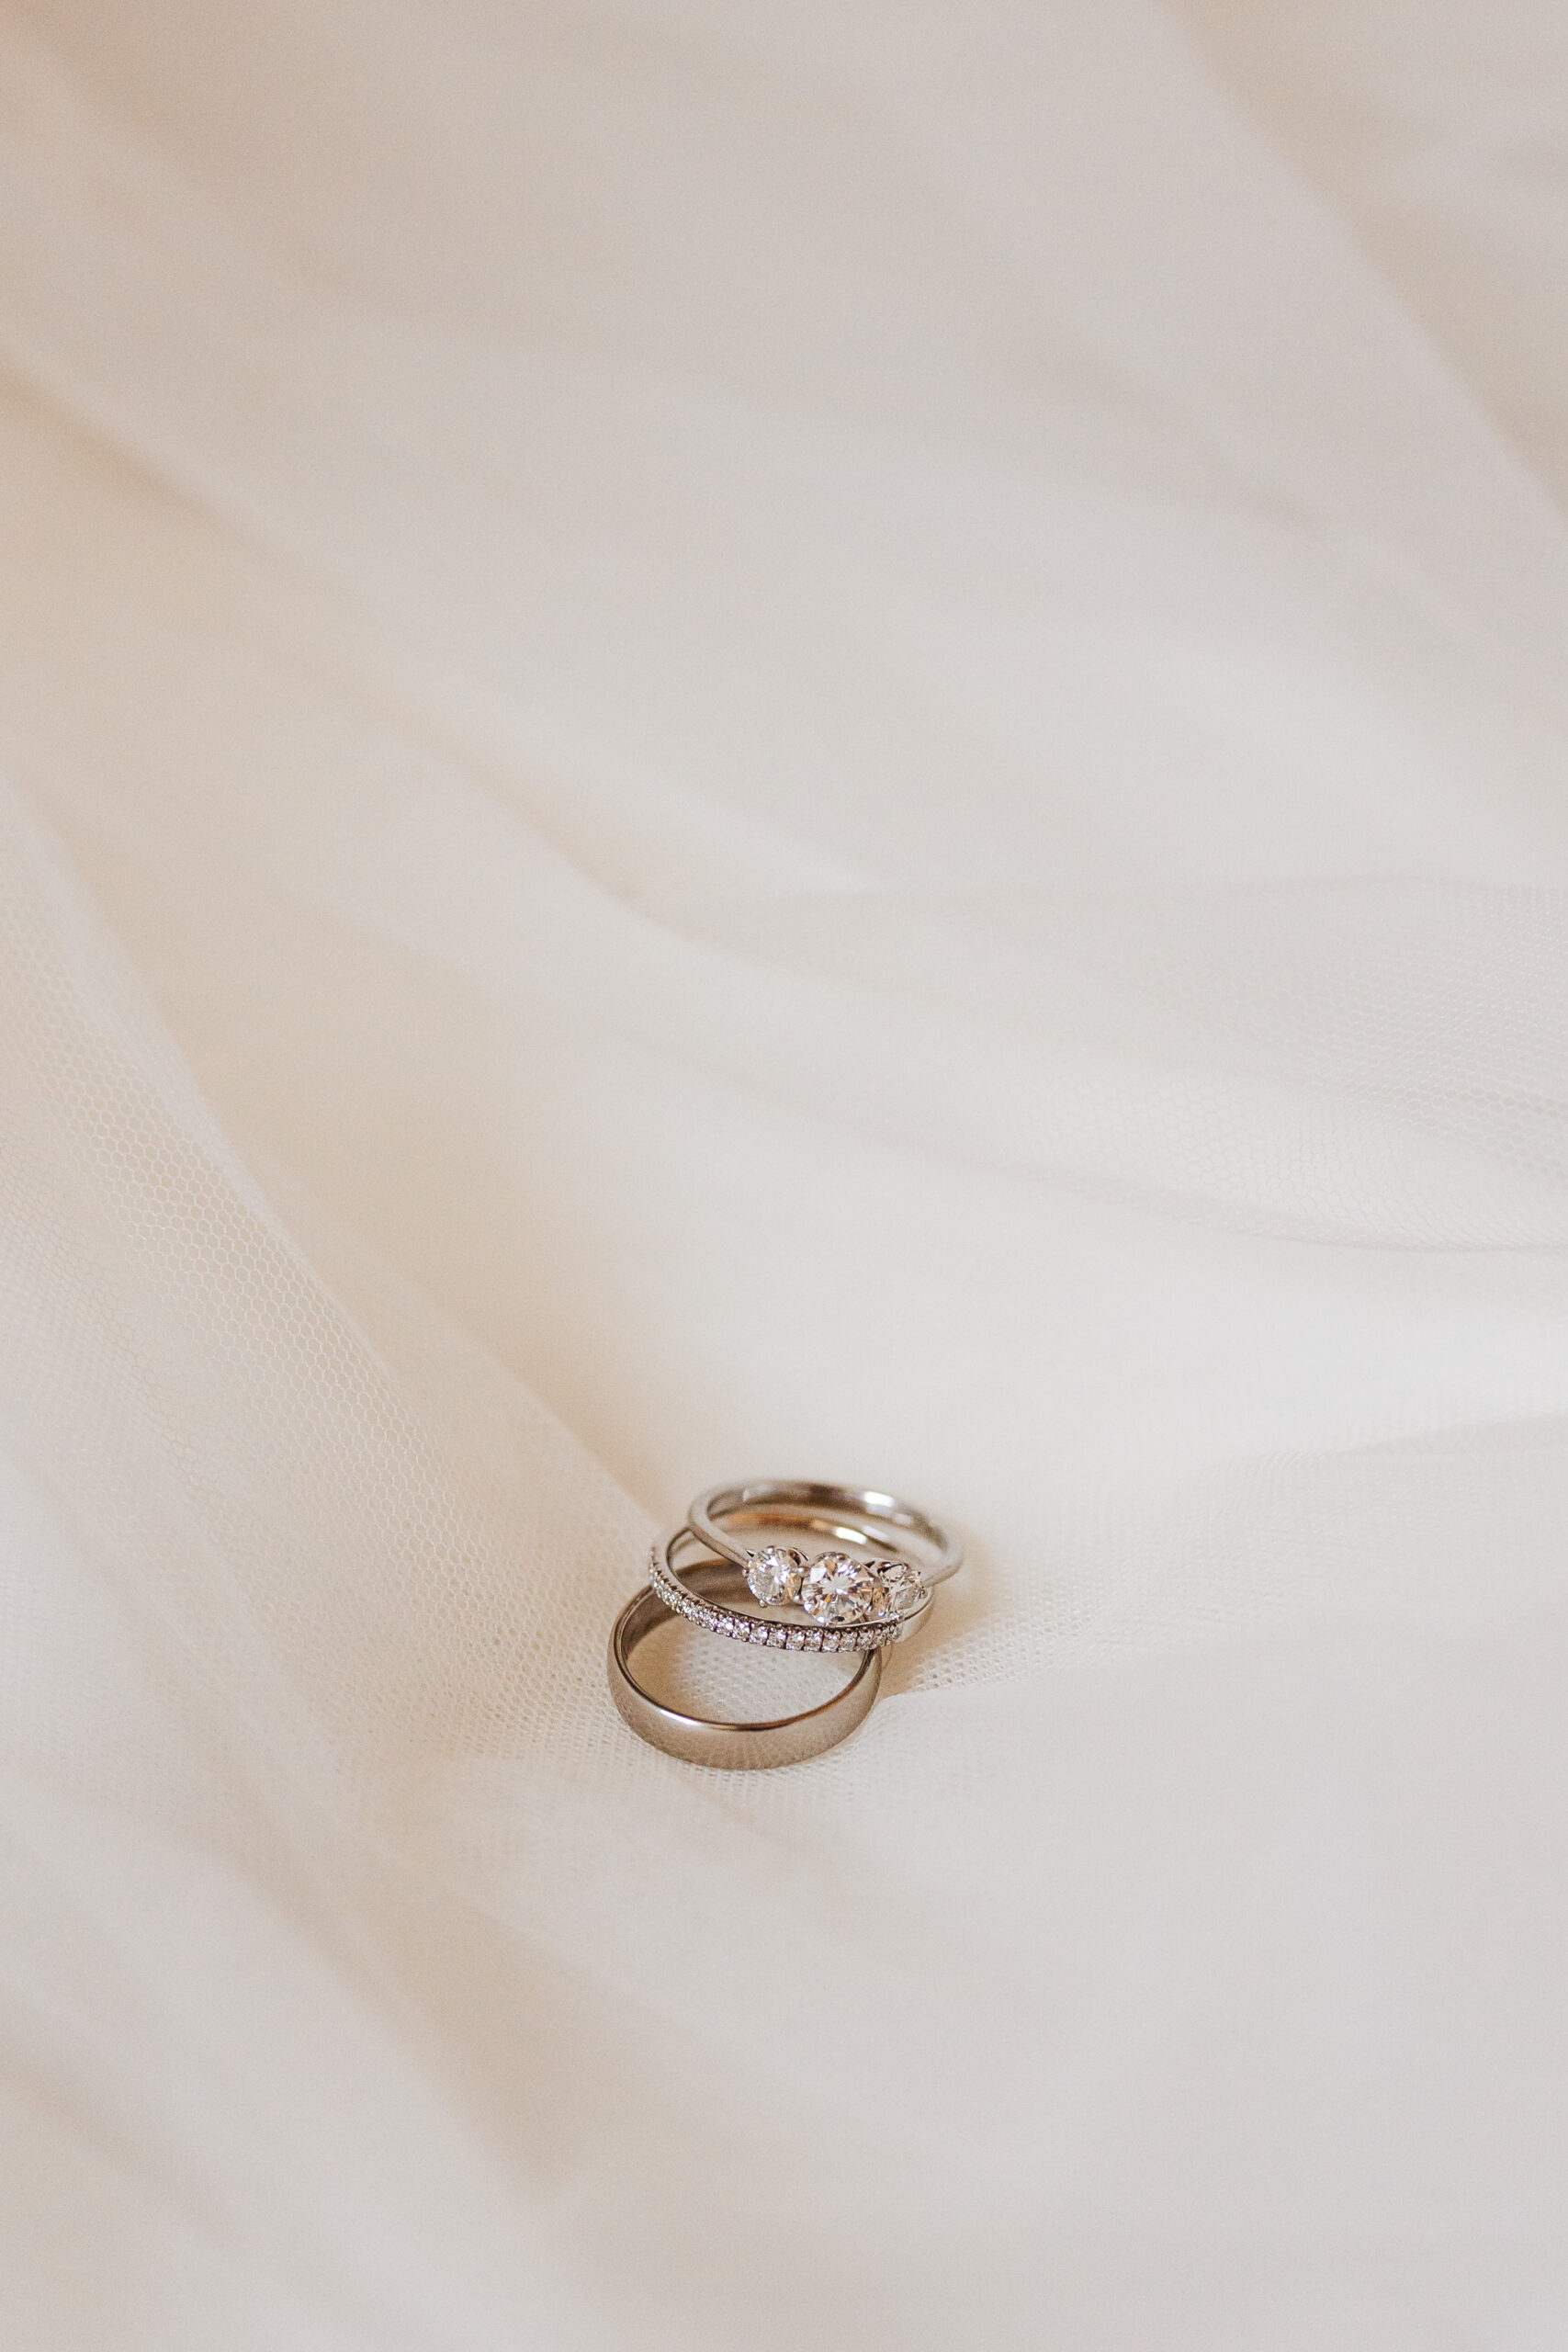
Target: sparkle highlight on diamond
{"x":773,"y":1574}
{"x":838,"y":1591}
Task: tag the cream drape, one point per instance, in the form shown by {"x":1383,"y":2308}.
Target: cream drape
{"x":821,"y":735}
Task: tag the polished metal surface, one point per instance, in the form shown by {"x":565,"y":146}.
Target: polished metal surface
{"x":848,"y":1514}
{"x":748,"y":1748}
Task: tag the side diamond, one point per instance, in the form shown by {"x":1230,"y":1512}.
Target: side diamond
{"x":773,"y":1575}
{"x":905,"y":1585}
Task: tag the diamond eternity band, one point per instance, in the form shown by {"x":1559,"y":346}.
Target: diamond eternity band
{"x":833,"y":1591}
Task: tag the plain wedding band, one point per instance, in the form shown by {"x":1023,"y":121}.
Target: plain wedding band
{"x":731,"y":1746}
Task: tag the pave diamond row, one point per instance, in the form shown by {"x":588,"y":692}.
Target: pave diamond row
{"x":758,"y":1629}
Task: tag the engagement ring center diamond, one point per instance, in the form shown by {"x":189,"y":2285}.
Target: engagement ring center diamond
{"x":838,"y":1591}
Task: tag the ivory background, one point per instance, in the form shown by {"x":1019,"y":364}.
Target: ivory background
{"x":818,"y":735}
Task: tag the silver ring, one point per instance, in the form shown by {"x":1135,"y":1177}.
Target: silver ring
{"x":865,"y":1608}
{"x":846,"y":1513}
{"x":731,"y":1746}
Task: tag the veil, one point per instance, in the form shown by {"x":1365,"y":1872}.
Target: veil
{"x":810,"y":737}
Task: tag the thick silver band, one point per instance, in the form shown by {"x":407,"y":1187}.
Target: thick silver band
{"x":843,"y":1512}
{"x":746,"y":1748}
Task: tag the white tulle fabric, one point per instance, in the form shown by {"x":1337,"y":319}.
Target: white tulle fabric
{"x":822,"y":735}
